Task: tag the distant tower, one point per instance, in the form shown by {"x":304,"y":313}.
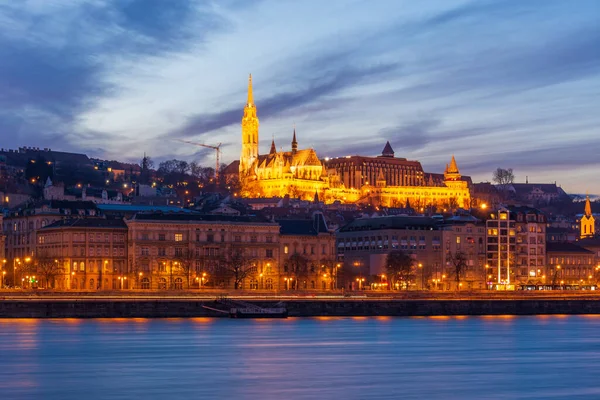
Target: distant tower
{"x":249,"y":134}
{"x":294,"y":143}
{"x":387,"y":150}
{"x":452,"y":173}
{"x":587,"y":223}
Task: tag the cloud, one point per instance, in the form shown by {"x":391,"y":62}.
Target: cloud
{"x":318,"y":87}
{"x":52,"y":73}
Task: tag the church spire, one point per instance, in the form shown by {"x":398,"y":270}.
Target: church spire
{"x":250,"y":96}
{"x":294,"y":143}
{"x":273,"y":148}
{"x":588,"y":206}
{"x":453,"y":167}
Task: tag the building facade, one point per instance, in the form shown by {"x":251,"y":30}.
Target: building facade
{"x":181,"y":251}
{"x":384,"y":180}
{"x":570,"y":264}
{"x":21,"y":225}
{"x":465,"y":253}
{"x":307,"y":254}
{"x":516,"y":246}
{"x":81,"y":254}
{"x":363,"y":246}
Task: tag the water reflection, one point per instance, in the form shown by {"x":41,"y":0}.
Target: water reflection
{"x":353,"y":358}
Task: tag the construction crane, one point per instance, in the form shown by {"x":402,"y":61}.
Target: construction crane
{"x":217,"y":148}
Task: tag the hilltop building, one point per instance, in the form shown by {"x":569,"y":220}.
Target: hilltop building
{"x":384,"y":180}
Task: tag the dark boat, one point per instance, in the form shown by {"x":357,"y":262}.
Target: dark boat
{"x":239,"y":309}
{"x":258,"y":312}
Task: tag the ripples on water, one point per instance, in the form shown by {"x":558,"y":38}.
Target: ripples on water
{"x":319,"y":358}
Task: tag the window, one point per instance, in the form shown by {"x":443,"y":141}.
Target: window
{"x":237,"y":238}
{"x":253,"y":239}
{"x":178,"y":251}
{"x":161,"y":237}
{"x":145,"y":251}
{"x":145,"y":283}
{"x":178,"y":284}
{"x":179,"y":237}
{"x":162,"y":251}
{"x":269,"y":253}
{"x":269,"y":239}
{"x":286,"y":249}
{"x":210,"y":238}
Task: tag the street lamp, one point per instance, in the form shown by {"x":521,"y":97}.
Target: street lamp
{"x":261,"y":280}
{"x":72,"y":280}
{"x":422,"y":274}
{"x":360,"y":282}
{"x":15,"y":262}
{"x":3,"y":275}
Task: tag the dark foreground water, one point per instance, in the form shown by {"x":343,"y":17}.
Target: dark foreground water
{"x":320,"y":358}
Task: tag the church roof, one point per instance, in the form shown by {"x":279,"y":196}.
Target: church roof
{"x":588,"y":206}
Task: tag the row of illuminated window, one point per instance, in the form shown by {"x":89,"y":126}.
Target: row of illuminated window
{"x":572,"y":260}
{"x":199,"y":252}
{"x":209,"y":237}
{"x":81,"y":237}
{"x":306,"y":249}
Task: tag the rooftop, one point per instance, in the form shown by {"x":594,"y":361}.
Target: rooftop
{"x":560,"y":247}
{"x":391,"y":222}
{"x":88,"y":223}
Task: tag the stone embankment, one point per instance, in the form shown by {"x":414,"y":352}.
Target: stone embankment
{"x":188,"y":306}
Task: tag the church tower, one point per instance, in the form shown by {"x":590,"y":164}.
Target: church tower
{"x":587,"y":223}
{"x":249,"y":134}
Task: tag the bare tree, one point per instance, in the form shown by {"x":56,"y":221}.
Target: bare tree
{"x":48,"y":268}
{"x":399,"y":266}
{"x":503,"y":178}
{"x":298,"y":265}
{"x":458,"y":261}
{"x":186,"y":263}
{"x":235,"y":264}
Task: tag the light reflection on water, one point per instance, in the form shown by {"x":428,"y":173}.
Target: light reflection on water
{"x":320,"y":358}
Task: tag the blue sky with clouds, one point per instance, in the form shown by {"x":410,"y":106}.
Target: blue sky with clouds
{"x":497,"y":83}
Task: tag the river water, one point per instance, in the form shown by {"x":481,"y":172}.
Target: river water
{"x":550,"y":357}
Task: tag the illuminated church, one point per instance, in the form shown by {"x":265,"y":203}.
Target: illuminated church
{"x":384,"y":180}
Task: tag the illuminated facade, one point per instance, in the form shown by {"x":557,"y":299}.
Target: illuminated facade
{"x":82,"y":254}
{"x":384,"y":180}
{"x":587,"y":222}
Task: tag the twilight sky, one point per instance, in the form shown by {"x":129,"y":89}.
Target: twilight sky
{"x":497,"y":83}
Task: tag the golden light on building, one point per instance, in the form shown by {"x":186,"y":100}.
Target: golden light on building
{"x":384,"y":180}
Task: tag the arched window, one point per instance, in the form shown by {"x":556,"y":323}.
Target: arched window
{"x":82,"y":284}
{"x":74,"y":266}
{"x":145,"y":283}
{"x":162,"y":283}
{"x":253,"y":284}
{"x":82,"y":266}
{"x":178,"y":284}
{"x":74,"y":283}
{"x":269,"y":284}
